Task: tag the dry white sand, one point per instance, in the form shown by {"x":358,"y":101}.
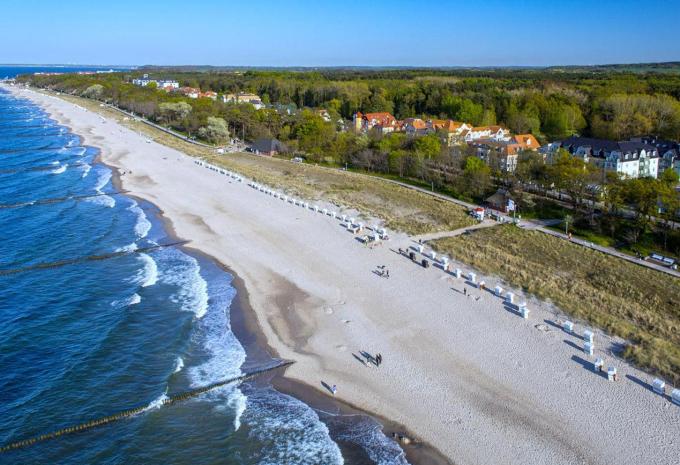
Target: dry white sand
{"x":475,"y":380}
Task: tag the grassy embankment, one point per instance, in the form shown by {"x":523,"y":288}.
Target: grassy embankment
{"x":630,"y":301}
{"x":635,"y":303}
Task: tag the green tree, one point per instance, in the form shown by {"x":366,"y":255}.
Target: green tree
{"x":428,"y":146}
{"x":173,"y":112}
{"x":215,"y":131}
{"x":95,"y":91}
{"x":476,"y":176}
{"x":571,"y":175}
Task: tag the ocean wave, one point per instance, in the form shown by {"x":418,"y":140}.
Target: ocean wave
{"x":86,"y":170}
{"x":157,"y":402}
{"x":60,"y":170}
{"x":128,"y":248}
{"x":306,"y":441}
{"x":179,"y":364}
{"x":134,"y":299}
{"x":184,"y":272}
{"x":148,"y":275}
{"x":238,"y":402}
{"x":368,"y":434}
{"x":102,"y":181}
{"x":143,"y":225}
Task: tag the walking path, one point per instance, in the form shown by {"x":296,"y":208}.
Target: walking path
{"x":456,"y":232}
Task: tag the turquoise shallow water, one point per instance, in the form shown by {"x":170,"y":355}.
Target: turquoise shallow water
{"x":86,"y":340}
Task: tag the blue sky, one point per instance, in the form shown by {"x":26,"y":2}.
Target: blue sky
{"x":327,"y":33}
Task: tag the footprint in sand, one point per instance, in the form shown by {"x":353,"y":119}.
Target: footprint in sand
{"x":341,"y":348}
{"x":346,"y":321}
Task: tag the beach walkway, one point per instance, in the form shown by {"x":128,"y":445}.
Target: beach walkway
{"x":457,"y":232}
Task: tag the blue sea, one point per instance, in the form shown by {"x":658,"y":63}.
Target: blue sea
{"x":85,"y":340}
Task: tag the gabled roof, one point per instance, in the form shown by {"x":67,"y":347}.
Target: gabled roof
{"x":526,"y":140}
{"x":417,"y":123}
{"x":268,"y":144}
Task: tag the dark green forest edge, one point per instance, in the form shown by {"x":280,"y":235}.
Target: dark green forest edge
{"x":611,"y":102}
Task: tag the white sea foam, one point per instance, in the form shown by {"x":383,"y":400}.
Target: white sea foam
{"x":179,"y":364}
{"x":148,"y":275}
{"x":134,"y":299}
{"x":306,"y":439}
{"x":128,"y":248}
{"x":86,"y":170}
{"x":183,"y":272}
{"x":157,"y":402}
{"x":368,"y":434}
{"x":61,"y":169}
{"x":143,"y":225}
{"x":102,"y":181}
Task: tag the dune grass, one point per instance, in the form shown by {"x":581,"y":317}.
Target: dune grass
{"x":636,"y":303}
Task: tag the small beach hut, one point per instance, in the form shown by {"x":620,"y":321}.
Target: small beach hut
{"x":588,"y":336}
{"x":675,"y":396}
{"x":523,"y":310}
{"x":433,"y":254}
{"x":568,"y":326}
{"x":343,"y":218}
{"x":597,"y":366}
{"x":498,"y":291}
{"x":445,"y":261}
{"x":457,"y":272}
{"x":472,"y":277}
{"x":611,"y":374}
{"x":420,"y":248}
{"x":510,"y":297}
{"x":588,"y":348}
{"x":324,"y":211}
{"x":659,"y":386}
{"x":332,"y":214}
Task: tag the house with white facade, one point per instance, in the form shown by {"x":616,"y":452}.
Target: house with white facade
{"x":383,"y":121}
{"x":243,"y":97}
{"x":631,"y":159}
{"x":497,"y":133}
{"x":145,"y":80}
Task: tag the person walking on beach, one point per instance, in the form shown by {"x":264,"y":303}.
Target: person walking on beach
{"x":334,"y":389}
{"x":464,"y":290}
{"x":378,"y":359}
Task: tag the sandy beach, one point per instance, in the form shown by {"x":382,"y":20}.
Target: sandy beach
{"x":463,"y":373}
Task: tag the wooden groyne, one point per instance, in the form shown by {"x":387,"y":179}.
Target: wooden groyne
{"x":88,"y":258}
{"x":136,"y":410}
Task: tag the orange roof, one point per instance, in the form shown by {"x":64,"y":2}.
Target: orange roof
{"x":383,"y":118}
{"x":492,"y":128}
{"x":416,"y":123}
{"x":452,"y":126}
{"x":526,"y":140}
